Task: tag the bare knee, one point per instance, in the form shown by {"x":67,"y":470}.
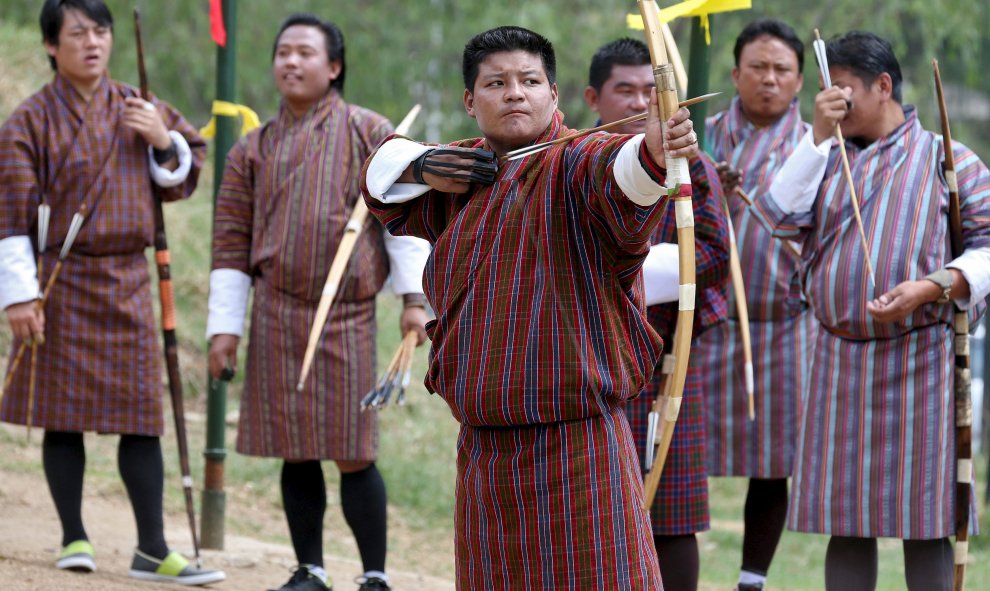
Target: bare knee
{"x":346,"y":467}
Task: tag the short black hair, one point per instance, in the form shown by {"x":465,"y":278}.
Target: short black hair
{"x":332,"y":35}
{"x":53,"y":14}
{"x":773,"y":28}
{"x":502,"y":39}
{"x":621,"y":52}
{"x":867,"y":56}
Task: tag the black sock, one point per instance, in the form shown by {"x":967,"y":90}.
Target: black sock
{"x":139,"y":458}
{"x":304,"y":497}
{"x":851,"y":564}
{"x":928,"y":564}
{"x":764,"y":517}
{"x":679,"y":562}
{"x":362,"y":497}
{"x":64,"y":458}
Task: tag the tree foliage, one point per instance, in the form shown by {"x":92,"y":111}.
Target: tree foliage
{"x":403,"y":52}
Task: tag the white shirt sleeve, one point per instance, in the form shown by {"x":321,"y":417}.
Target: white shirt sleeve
{"x":632,"y":178}
{"x":18,"y":271}
{"x":795,"y":185}
{"x":661,"y":275}
{"x":974,"y":264}
{"x":388,"y":164}
{"x":164,"y":177}
{"x":229,"y":290}
{"x":407,"y":258}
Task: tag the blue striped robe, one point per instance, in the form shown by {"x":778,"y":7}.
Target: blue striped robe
{"x":876,"y":455}
{"x":781,"y":328}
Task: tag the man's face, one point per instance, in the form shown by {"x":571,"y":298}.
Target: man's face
{"x":301,"y":68}
{"x":83,"y":49}
{"x":767,"y":79}
{"x":863,"y":120}
{"x":624,"y":94}
{"x":512,"y":99}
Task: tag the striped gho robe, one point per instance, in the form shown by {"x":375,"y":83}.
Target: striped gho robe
{"x":681,"y":504}
{"x":540,"y":337}
{"x":288,"y":190}
{"x":100,"y":366}
{"x":876,"y":450}
{"x":781,"y":327}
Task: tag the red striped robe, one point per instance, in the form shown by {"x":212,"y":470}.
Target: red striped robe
{"x":540,"y":336}
{"x":100,"y":367}
{"x":876,"y":454}
{"x":681,"y":504}
{"x":288,"y":190}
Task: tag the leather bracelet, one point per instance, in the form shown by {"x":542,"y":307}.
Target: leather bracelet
{"x":410,"y":300}
{"x":163,"y":156}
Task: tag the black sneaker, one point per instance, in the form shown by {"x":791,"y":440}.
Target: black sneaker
{"x":372,"y":584}
{"x":749,"y":587}
{"x":303,"y":580}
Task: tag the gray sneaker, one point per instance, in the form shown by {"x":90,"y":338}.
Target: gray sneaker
{"x":173,"y":569}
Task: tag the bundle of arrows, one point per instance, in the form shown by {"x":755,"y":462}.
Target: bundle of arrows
{"x":396,"y":376}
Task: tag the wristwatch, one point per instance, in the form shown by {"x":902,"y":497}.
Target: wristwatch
{"x":943,"y":279}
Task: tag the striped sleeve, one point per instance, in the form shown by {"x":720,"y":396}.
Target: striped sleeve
{"x":234,"y":213}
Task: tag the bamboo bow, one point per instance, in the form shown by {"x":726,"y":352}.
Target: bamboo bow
{"x":962,"y":381}
{"x":351,"y":232}
{"x":667,"y":405}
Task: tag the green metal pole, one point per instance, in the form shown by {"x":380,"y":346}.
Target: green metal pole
{"x":698,"y":66}
{"x":214,"y":497}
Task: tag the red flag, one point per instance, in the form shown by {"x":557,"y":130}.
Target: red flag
{"x":217,"y":30}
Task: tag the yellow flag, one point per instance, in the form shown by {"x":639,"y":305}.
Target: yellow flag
{"x":700,"y":8}
{"x":249,"y":119}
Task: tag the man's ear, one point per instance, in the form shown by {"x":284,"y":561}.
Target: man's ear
{"x":800,"y":83}
{"x":885,"y":85}
{"x":469,"y":103}
{"x":50,"y":49}
{"x":735,"y":78}
{"x":591,"y":98}
{"x":553,"y":93}
{"x":335,"y":68}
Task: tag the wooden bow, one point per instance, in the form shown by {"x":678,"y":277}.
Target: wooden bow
{"x":339,"y":264}
{"x":962,"y":381}
{"x":667,"y":405}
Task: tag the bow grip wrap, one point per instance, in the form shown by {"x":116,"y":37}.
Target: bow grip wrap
{"x":482,"y":170}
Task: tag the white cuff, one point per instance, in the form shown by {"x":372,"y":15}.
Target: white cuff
{"x":661,"y":276}
{"x":18,"y":271}
{"x":169,"y":178}
{"x":632,"y":178}
{"x":388,"y":164}
{"x":974,"y":264}
{"x":795,"y":185}
{"x":228,"y":302}
{"x":407,"y":259}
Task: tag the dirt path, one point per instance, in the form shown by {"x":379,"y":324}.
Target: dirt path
{"x":29,"y":536}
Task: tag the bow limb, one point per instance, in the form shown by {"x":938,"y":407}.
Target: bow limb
{"x":343,"y":255}
{"x":964,"y":403}
{"x":679,"y":183}
{"x":742,"y":310}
